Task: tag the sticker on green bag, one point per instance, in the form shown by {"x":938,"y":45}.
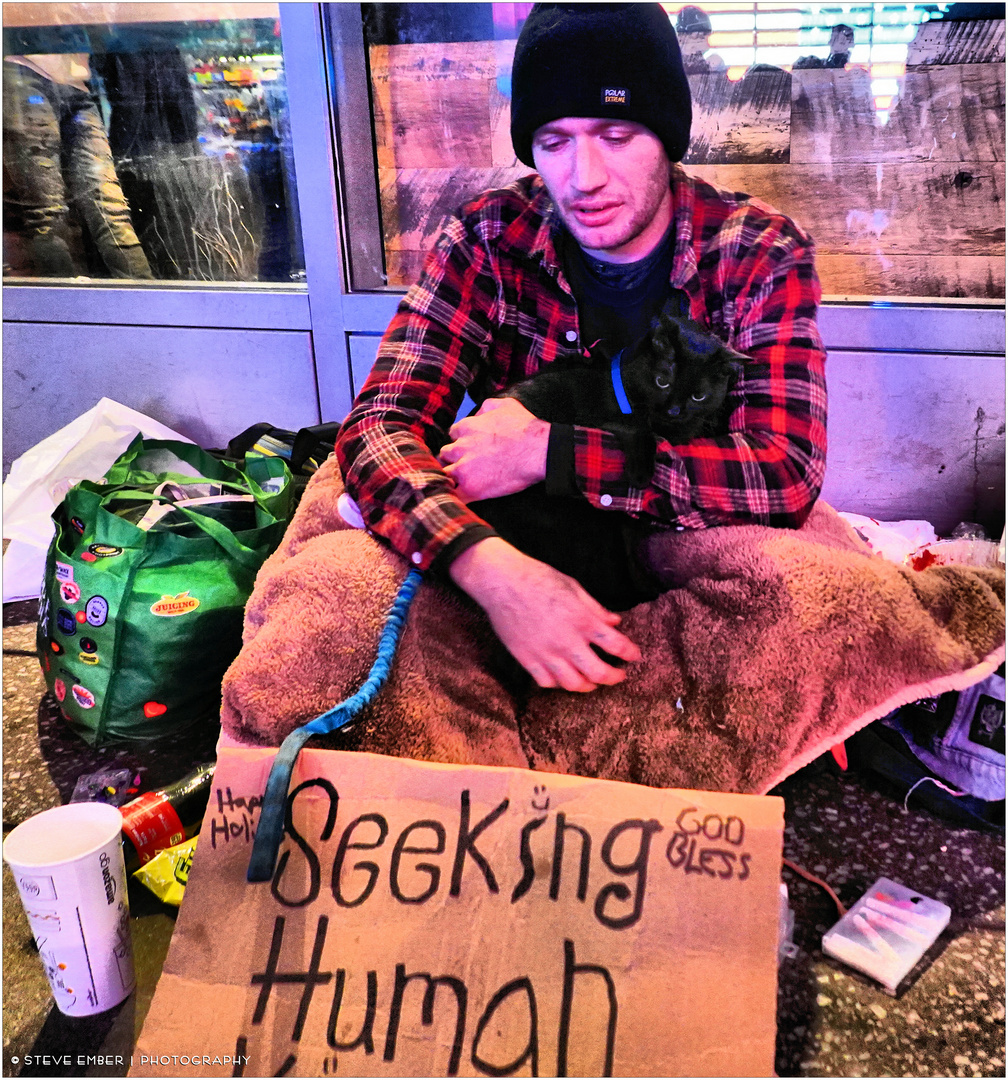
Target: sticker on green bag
{"x":181,"y":604}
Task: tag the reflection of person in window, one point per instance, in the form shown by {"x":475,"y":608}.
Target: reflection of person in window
{"x":840,"y":43}
{"x":693,"y":28}
{"x":570,"y":267}
{"x":56,"y":152}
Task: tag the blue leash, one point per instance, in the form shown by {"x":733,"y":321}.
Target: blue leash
{"x":269,"y":831}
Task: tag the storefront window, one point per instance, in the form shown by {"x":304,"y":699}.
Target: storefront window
{"x":148,"y":142}
{"x":878,"y":127}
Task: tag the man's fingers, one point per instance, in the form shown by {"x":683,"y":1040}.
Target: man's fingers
{"x":610,"y":640}
{"x":569,"y":678}
{"x":599,"y":670}
{"x":545,"y":619}
{"x":582,"y":668}
{"x":449,"y":452}
{"x":541,"y":675}
{"x":459,"y":428}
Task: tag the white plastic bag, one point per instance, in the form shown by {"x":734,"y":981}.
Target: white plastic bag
{"x":41,"y":476}
{"x":893,"y":540}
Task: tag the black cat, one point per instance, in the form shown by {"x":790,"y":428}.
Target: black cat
{"x":673,"y":386}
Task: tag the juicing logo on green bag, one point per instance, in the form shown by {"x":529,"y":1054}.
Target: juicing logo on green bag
{"x":146,"y":584}
{"x":175,"y":605}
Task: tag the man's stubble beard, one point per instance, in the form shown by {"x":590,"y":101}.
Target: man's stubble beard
{"x":659,"y":182}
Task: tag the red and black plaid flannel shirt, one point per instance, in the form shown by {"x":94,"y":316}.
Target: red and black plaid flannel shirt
{"x":492,"y":307}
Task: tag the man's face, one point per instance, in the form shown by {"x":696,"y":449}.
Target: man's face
{"x":610,"y":182}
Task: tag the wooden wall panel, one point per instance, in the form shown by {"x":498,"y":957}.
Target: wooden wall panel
{"x":958,"y":41}
{"x":977,"y":276}
{"x":432,"y":104}
{"x":744,"y":121}
{"x":952,"y":113}
{"x":908,"y":209}
{"x":415,"y":202}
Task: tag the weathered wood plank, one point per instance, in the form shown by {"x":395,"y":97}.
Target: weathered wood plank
{"x":895,"y":230}
{"x":913,"y":209}
{"x":744,"y":121}
{"x":952,"y":113}
{"x":402,"y":268}
{"x":501,"y":149}
{"x":432,"y":104}
{"x":415,"y":202}
{"x":841,"y":276}
{"x":440,"y":61}
{"x":958,"y":41}
{"x":900,"y":209}
{"x":972,"y":276}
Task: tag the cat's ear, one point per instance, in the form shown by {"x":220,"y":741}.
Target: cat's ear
{"x":731,"y":364}
{"x":662,"y":337}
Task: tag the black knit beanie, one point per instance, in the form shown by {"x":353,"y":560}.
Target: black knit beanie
{"x":613,"y":61}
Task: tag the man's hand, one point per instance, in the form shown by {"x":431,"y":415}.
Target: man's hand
{"x":544,"y":618}
{"x":499,"y":450}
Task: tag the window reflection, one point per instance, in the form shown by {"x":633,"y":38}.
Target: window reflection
{"x":878,"y":127}
{"x":147,"y":142}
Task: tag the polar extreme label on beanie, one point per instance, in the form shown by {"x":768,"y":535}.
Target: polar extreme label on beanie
{"x":615,"y":95}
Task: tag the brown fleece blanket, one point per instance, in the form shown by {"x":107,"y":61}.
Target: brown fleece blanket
{"x":771,"y":647}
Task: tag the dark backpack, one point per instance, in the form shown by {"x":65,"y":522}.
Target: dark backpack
{"x":303,"y":450}
{"x":945,"y":753}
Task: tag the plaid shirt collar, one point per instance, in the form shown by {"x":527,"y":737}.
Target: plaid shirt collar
{"x":530,"y":235}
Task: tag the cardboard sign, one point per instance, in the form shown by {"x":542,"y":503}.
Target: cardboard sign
{"x":439,"y":920}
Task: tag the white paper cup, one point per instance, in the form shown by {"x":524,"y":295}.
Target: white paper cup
{"x":68,"y":865}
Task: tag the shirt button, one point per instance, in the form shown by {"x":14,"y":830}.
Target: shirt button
{"x":417,"y":557}
{"x":572,"y":335}
{"x":606,"y":500}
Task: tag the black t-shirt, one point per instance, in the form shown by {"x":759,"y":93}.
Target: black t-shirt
{"x":616,"y":303}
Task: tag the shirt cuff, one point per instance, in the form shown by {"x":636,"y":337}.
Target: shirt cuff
{"x":454,"y":548}
{"x":561,"y":478}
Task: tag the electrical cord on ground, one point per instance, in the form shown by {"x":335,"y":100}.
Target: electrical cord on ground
{"x":816,"y":881}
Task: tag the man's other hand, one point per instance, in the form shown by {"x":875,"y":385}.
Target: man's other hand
{"x":497,"y":451}
{"x":544,"y":618}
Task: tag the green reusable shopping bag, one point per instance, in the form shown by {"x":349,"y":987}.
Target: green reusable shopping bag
{"x":146,"y":583}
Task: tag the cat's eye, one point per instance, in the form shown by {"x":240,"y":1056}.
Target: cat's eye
{"x":699,"y":397}
{"x":661,"y":382}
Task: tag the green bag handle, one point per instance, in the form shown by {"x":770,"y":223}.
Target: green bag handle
{"x":209,"y":467}
{"x":244,"y":556}
{"x":136,"y":487}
